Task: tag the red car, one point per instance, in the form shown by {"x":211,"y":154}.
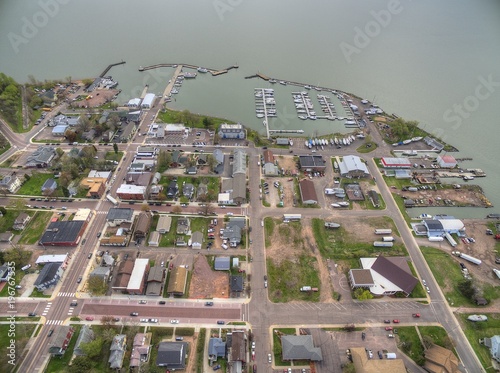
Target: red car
{"x":416,"y":315}
{"x":388,"y":328}
{"x":396,"y":321}
{"x":89,"y":318}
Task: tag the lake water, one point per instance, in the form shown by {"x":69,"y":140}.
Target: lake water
{"x":434,"y":62}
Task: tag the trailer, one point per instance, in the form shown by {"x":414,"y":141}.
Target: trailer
{"x":450,"y":239}
{"x":112,"y":200}
{"x":470,"y":259}
{"x":383,"y":231}
{"x":436,"y":239}
{"x":305,"y":288}
{"x":383,"y":244}
{"x":388,"y":239}
{"x":292,"y":217}
{"x":496,"y":272}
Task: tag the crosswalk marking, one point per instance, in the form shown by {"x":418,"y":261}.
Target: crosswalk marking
{"x":54,"y":322}
{"x":65,"y":294}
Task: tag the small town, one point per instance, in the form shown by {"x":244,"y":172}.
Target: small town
{"x":134,"y":237}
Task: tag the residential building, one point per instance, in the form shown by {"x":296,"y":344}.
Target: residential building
{"x":107,"y":261}
{"x":236,"y":283}
{"x":191,"y":170}
{"x":115,"y":240}
{"x":63,"y":233}
{"x":142,"y":225}
{"x":389,"y":162}
{"x":237,"y":189}
{"x":6,"y":236}
{"x":219,"y":161}
{"x":41,"y":157}
{"x":63,"y":120}
{"x":117,"y":216}
{"x":101,"y":272}
{"x":270,"y":166}
{"x":239,"y":162}
{"x":154,"y":239}
{"x":156,"y":278}
{"x":21,"y":221}
{"x":183,"y":225}
{"x":89,"y":135}
{"x":352,"y":166}
{"x":216,"y":349}
{"x":177,"y":281}
{"x":312,"y":163}
{"x":86,"y":335}
{"x":5,"y":273}
{"x":123,"y":277}
{"x":139,"y":178}
{"x":49,"y":276}
{"x":141,"y":348}
{"x":60,"y":341}
{"x":164,"y":223}
{"x":127,"y":132}
{"x":131,"y":192}
{"x":117,"y":351}
{"x":146,"y":151}
{"x":188,"y":190}
{"x":59,"y":131}
{"x":96,"y":186}
{"x":440,"y":360}
{"x":10,"y":183}
{"x":231,"y":131}
{"x":136,"y":284}
{"x":222,"y":263}
{"x":99,"y":174}
{"x":172,"y":355}
{"x":300,"y":347}
{"x":493,"y":344}
{"x":236,"y":349}
{"x":232,"y":233}
{"x":49,"y":186}
{"x":197,"y":240}
{"x":308,"y":192}
{"x":172,"y":190}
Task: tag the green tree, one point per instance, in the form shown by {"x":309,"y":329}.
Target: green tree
{"x":466,"y":288}
{"x":70,"y":135}
{"x":207,"y":122}
{"x":115,"y":148}
{"x":93,"y":348}
{"x":80,"y":364}
{"x":18,"y":255}
{"x":362,"y":294}
{"x":96,"y":286}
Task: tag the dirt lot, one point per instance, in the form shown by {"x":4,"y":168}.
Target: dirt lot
{"x":99,"y":98}
{"x":206,"y":283}
{"x":465,"y":196}
{"x":287,"y":163}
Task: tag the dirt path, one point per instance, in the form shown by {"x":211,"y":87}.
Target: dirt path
{"x":324,"y":276}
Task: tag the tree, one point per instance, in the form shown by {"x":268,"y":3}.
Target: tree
{"x":113,"y":120}
{"x":207,"y":122}
{"x":70,"y":135}
{"x":177,"y":209}
{"x":93,"y":348}
{"x":115,"y":148}
{"x":18,"y":255}
{"x":466,"y":288}
{"x":108,"y":321}
{"x":211,"y":162}
{"x":3,"y":210}
{"x":207,"y":209}
{"x":362,"y":294}
{"x":145,"y":208}
{"x":80,"y":364}
{"x":96,"y":285}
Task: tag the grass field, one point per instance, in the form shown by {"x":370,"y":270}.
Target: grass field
{"x":33,"y":186}
{"x":168,"y":239}
{"x":189,"y":119}
{"x":340,"y":244}
{"x":32,"y":233}
{"x":21,"y":333}
{"x":286,"y":279}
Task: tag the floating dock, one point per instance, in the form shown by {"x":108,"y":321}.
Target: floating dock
{"x":109,"y":68}
{"x":214,"y":72}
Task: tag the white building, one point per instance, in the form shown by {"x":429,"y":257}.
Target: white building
{"x":134,"y":102}
{"x":148,"y":101}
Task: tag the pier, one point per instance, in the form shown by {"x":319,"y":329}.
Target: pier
{"x":326,"y":106}
{"x":285,"y":131}
{"x":265,"y":106}
{"x":214,"y":72}
{"x":171,"y":83}
{"x":109,"y":68}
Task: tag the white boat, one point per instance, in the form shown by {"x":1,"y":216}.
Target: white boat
{"x":477,"y":318}
{"x":336,"y":141}
{"x":331,"y":142}
{"x":313,"y":142}
{"x":189,"y":75}
{"x":272,"y":81}
{"x":174,"y":91}
{"x":352,"y":138}
{"x":264,"y":123}
{"x":418,"y":138}
{"x":306,"y":143}
{"x":335,"y":165}
{"x":412,"y":153}
{"x":425,"y":216}
{"x":317,"y":89}
{"x":335,"y":205}
{"x":303,"y":117}
{"x":202,"y":70}
{"x":312,"y":117}
{"x":307,"y":87}
{"x":343,"y":204}
{"x":466,"y":178}
{"x":290,"y":142}
{"x":344,"y":141}
{"x":282,"y":82}
{"x":406,"y":142}
{"x":260,"y":115}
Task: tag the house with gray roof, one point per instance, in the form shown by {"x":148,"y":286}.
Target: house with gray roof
{"x":117,"y":351}
{"x":59,"y":130}
{"x":236,"y":283}
{"x":156,"y":278}
{"x":41,"y":157}
{"x":236,"y":349}
{"x":188,"y":190}
{"x":86,"y":335}
{"x":10,"y":183}
{"x":232,"y":233}
{"x":117,"y":216}
{"x":172,"y":189}
{"x":216,"y":348}
{"x":172,"y":355}
{"x":49,"y":186}
{"x":6,"y":236}
{"x":300,"y":347}
{"x":222,"y":263}
{"x":101,"y":272}
{"x":183,"y":225}
{"x":197,"y":240}
{"x":60,"y":341}
{"x":231,"y":131}
{"x":493,"y":344}
{"x":202,"y":190}
{"x":239,"y":162}
{"x":49,"y":276}
{"x":21,"y":221}
{"x":282,"y":141}
{"x":5,"y":273}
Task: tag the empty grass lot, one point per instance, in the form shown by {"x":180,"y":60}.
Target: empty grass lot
{"x":36,"y":226}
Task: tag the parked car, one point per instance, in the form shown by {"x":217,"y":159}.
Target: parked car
{"x":89,"y":318}
{"x":387,"y":321}
{"x":32,"y":314}
{"x":269,"y":358}
{"x":98,"y":234}
{"x":143,"y":301}
{"x":209,"y":304}
{"x":217,"y":367}
{"x":379,"y":354}
{"x":179,"y":338}
{"x":51,"y":331}
{"x":416,"y":315}
{"x":89,"y":256}
{"x":388,"y":328}
{"x":134,"y":314}
{"x":221,"y":322}
{"x":161,"y":302}
{"x":79,"y":280}
{"x":73,"y":304}
{"x":174,"y":321}
{"x":395,"y":321}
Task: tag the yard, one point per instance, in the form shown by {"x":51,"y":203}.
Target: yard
{"x":33,"y":186}
{"x":23,"y":333}
{"x":35,"y":228}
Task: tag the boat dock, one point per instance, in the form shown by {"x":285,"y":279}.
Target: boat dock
{"x":265,"y":106}
{"x":170,"y":85}
{"x":304,"y":106}
{"x":285,"y":131}
{"x":109,"y":68}
{"x":326,"y":106}
{"x":214,"y":72}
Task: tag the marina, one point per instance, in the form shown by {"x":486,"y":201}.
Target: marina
{"x":265,"y":106}
{"x":303,"y":106}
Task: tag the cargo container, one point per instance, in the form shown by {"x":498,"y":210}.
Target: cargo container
{"x":412,"y":189}
{"x":450,"y":239}
{"x":388,"y":239}
{"x":292,"y":217}
{"x":383,"y":244}
{"x":383,"y":231}
{"x":470,"y":259}
{"x":112,"y":200}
